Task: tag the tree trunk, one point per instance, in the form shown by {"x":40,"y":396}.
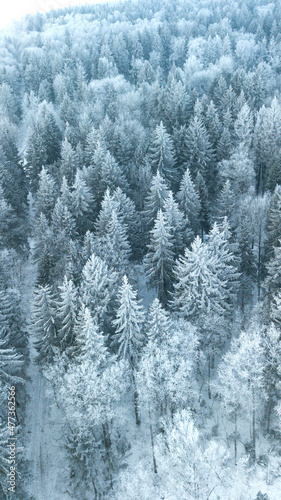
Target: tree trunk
{"x":152,"y":443}
{"x":259,"y":267}
{"x":260,"y":189}
{"x":135,"y":399}
{"x":235,"y":437}
{"x":209,"y":376}
{"x":254,"y":426}
{"x":269,"y":415}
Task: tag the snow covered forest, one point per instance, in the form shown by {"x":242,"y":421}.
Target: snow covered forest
{"x":140,"y":251}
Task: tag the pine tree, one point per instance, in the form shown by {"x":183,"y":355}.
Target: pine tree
{"x":160,"y":257}
{"x":111,"y":175}
{"x":65,"y":194}
{"x":82,"y":203}
{"x":267,"y":142}
{"x":113,"y":244}
{"x":198,"y":151}
{"x":66,"y":313}
{"x":90,"y":342}
{"x":272,"y":283}
{"x":273,"y":223}
{"x":43,"y":323}
{"x":10,"y":360}
{"x":91,"y":146}
{"x":204,"y":212}
{"x":11,"y":318}
{"x":162,"y":153}
{"x":126,"y":213}
{"x":226,"y":203}
{"x":155,"y":200}
{"x":247,"y":264}
{"x":69,"y":161}
{"x":43,"y":143}
{"x":98,"y":287}
{"x":129,"y":336}
{"x":158,"y":323}
{"x":189,"y":201}
{"x":46,"y":194}
{"x":178,"y":223}
{"x":219,"y":243}
{"x":244,"y":126}
{"x":202,"y":280}
{"x":239,"y":169}
{"x":62,"y":222}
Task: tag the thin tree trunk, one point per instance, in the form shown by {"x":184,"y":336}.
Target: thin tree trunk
{"x":259,"y":267}
{"x":152,"y":443}
{"x":209,"y":376}
{"x":135,"y":399}
{"x":254,"y":426}
{"x":269,"y":416}
{"x":235,"y":437}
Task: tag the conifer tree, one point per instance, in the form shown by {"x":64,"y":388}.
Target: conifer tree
{"x":273,"y":224}
{"x":198,"y":151}
{"x":189,"y":201}
{"x":178,"y":223}
{"x":111,"y":175}
{"x":244,"y":126}
{"x":98,"y":287}
{"x":156,"y":197}
{"x":247,"y":264}
{"x":160,"y":257}
{"x":46,"y":194}
{"x":69,"y":161}
{"x":129,"y":336}
{"x":226,"y":203}
{"x":89,"y":341}
{"x":201,"y":282}
{"x":239,"y":169}
{"x":66,"y":313}
{"x":113,"y":244}
{"x":82,"y":203}
{"x":44,"y":324}
{"x":158,"y":323}
{"x":162,"y":153}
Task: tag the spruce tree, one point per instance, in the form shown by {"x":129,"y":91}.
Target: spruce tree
{"x":162,"y":153}
{"x":189,"y":201}
{"x":155,"y":200}
{"x":98,"y":287}
{"x":160,"y":257}
{"x":129,"y":336}
{"x":69,"y":161}
{"x":82,"y":203}
{"x":43,"y":323}
{"x":66,"y":313}
{"x":178,"y":223}
{"x":158,"y":323}
{"x":89,"y":341}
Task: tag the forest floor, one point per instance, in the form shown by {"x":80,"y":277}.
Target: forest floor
{"x":44,"y":447}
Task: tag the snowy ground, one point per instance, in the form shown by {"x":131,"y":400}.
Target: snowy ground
{"x":44,"y":447}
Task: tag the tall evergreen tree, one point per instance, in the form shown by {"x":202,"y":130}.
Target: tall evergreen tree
{"x":43,"y":323}
{"x":189,"y":201}
{"x":66,"y":313}
{"x":160,"y":257}
{"x":162,"y":153}
{"x":129,"y":336}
